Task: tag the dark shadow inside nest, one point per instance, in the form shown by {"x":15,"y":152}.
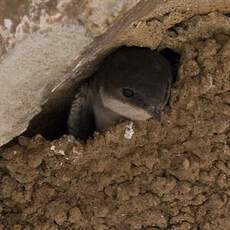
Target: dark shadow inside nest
{"x":51,"y":123}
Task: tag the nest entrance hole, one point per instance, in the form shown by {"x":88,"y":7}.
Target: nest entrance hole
{"x":51,"y":123}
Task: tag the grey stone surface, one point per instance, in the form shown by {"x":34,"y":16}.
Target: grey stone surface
{"x":38,"y":61}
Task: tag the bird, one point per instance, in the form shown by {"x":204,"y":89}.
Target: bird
{"x":132,"y":83}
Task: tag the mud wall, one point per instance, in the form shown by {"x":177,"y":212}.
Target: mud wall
{"x":170,"y":175}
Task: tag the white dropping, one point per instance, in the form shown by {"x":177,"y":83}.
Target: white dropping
{"x":8,"y":24}
{"x":129,"y":131}
{"x":61,"y":152}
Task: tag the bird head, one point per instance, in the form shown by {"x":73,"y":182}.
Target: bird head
{"x":135,"y":83}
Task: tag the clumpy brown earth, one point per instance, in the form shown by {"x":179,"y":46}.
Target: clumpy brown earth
{"x":169,"y":175}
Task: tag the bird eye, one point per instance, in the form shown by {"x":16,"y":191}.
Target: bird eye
{"x":127,"y":92}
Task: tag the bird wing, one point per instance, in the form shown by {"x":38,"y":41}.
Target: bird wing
{"x":81,"y":118}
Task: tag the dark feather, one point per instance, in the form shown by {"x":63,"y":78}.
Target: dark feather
{"x":81,"y":119}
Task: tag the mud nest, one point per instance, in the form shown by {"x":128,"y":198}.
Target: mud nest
{"x":170,"y":175}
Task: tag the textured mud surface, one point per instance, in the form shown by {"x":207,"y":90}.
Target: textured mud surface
{"x":169,"y":175}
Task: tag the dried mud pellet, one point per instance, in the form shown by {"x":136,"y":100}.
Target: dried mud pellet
{"x":75,"y":215}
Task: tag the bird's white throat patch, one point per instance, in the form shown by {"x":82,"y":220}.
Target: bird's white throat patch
{"x":123,"y":108}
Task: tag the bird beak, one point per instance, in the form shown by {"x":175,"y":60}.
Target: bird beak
{"x":157,"y":114}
